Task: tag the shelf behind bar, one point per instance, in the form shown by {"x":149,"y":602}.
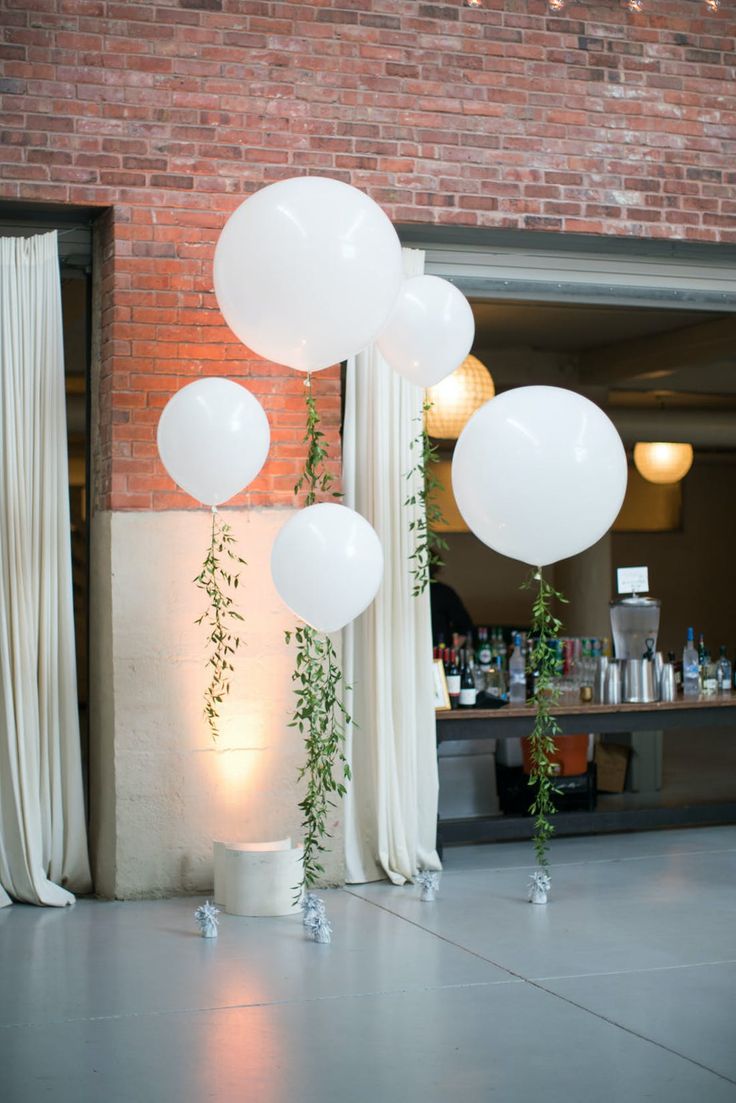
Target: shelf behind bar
{"x":507,"y":723}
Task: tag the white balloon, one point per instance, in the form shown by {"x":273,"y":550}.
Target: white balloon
{"x":430,"y":331}
{"x":213,"y":439}
{"x":539,"y":474}
{"x":327,"y":565}
{"x":307,"y":271}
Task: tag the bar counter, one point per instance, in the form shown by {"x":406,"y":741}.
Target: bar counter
{"x":697,"y":713}
{"x":508,"y":721}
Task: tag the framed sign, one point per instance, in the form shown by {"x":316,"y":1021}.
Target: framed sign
{"x":441,"y":696}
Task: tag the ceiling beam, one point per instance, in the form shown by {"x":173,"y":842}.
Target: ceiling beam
{"x":660,"y":354}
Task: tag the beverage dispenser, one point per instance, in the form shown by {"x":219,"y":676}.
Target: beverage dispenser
{"x":634,"y":626}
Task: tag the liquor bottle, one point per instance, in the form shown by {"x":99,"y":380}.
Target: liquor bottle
{"x":690,"y":671}
{"x":723,"y":672}
{"x":701,"y":657}
{"x":709,"y":675}
{"x":517,"y":673}
{"x":468,"y":692}
{"x":484,"y":656}
{"x":496,"y":680}
{"x":677,"y":667}
{"x":499,"y":650}
{"x":453,"y":680}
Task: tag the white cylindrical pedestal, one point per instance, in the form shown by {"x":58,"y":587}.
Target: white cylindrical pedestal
{"x":219,"y":846}
{"x":218,"y":856}
{"x":261,"y":878}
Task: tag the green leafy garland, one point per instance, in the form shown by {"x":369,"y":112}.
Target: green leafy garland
{"x":429,"y":545}
{"x":216,"y":574}
{"x":315,"y":475}
{"x":542,"y":661}
{"x":320,"y":714}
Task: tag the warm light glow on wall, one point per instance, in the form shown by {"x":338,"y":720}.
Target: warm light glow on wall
{"x":457,"y":397}
{"x":235,"y":768}
{"x":663,"y":461}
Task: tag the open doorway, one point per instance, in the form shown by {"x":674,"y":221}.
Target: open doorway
{"x":74,"y":230}
{"x":649,"y":334}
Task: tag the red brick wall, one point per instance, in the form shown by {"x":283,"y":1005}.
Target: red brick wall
{"x":501,"y":116}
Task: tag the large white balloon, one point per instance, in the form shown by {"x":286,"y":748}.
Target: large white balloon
{"x":539,"y":474}
{"x":430,"y":331}
{"x":307,"y":271}
{"x":327,"y":564}
{"x":213,"y":439}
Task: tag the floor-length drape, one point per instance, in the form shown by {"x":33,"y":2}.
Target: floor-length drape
{"x":391,"y":807}
{"x":42,"y":830}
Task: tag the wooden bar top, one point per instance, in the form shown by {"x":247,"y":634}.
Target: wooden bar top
{"x":682,"y":704}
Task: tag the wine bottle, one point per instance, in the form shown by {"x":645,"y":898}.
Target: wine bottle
{"x":517,"y":673}
{"x":701,"y":657}
{"x":483,"y":655}
{"x":468,"y":692}
{"x":453,"y":680}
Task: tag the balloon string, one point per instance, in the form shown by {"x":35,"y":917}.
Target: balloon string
{"x":214,"y":509}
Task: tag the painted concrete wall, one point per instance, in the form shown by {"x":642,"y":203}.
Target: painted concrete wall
{"x":162,"y":790}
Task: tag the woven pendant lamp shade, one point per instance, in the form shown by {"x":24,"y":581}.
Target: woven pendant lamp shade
{"x":457,"y":397}
{"x":663,"y":461}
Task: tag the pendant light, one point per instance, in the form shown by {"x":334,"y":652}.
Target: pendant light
{"x":457,"y":397}
{"x":663,"y":461}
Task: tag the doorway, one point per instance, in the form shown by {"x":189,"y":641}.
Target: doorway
{"x":74,"y":230}
{"x":647,"y":330}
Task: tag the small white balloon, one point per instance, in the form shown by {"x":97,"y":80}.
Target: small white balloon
{"x":327,"y":565}
{"x":539,"y":474}
{"x":307,"y":271}
{"x":430,"y":331}
{"x":213,"y":439}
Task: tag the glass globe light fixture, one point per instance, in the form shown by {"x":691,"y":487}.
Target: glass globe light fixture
{"x":456,"y":398}
{"x":663,"y":461}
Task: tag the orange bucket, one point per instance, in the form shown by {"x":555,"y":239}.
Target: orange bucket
{"x":571,"y":755}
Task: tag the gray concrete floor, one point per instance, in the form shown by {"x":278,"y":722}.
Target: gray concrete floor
{"x":621,"y":989}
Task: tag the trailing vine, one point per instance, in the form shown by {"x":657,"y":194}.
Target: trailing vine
{"x":215,"y":578}
{"x":542,"y":661}
{"x":320,"y":714}
{"x":429,"y":545}
{"x":321,"y":717}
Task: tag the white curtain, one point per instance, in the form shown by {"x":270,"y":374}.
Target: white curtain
{"x":391,"y":807}
{"x":42,"y":829}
